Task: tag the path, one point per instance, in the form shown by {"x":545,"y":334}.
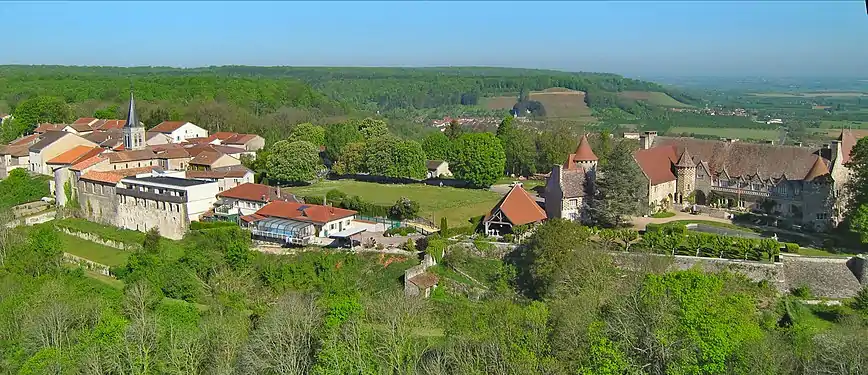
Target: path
{"x":639,"y":223}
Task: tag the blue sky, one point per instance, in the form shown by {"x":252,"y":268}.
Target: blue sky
{"x":634,"y":38}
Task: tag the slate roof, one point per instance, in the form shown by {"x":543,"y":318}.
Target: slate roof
{"x":257,"y":193}
{"x":573,"y":183}
{"x":48,"y":138}
{"x":312,"y":213}
{"x":518,"y":207}
{"x":745,"y":159}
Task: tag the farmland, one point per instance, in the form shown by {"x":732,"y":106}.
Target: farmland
{"x":829,"y":94}
{"x":741,"y":133}
{"x":841,"y":124}
{"x":562,"y":103}
{"x":457,"y":205}
{"x":654,"y":98}
{"x":499,"y":102}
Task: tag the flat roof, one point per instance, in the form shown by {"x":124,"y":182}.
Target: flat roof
{"x":165,"y":180}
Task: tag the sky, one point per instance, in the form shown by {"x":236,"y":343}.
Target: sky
{"x":641,"y":38}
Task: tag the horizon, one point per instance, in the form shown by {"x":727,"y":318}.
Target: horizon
{"x":707,"y":39}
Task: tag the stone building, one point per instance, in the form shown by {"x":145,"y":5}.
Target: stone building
{"x":799,"y":184}
{"x":145,"y":201}
{"x":516,"y":208}
{"x":566,"y":192}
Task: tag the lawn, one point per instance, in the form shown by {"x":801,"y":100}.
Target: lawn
{"x":102,"y":231}
{"x":837,"y":125}
{"x":93,"y":251}
{"x":457,"y":205}
{"x":740,"y":133}
{"x":654,"y":98}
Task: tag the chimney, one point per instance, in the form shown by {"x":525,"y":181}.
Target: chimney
{"x":646,"y":140}
{"x":836,"y":151}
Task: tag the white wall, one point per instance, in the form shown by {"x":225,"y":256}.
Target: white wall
{"x":200,"y":198}
{"x":188,"y":130}
{"x":334,"y":226}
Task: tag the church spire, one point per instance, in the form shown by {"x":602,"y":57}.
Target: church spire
{"x":132,"y":117}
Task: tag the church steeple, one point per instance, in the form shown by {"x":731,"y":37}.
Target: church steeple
{"x":134,"y":132}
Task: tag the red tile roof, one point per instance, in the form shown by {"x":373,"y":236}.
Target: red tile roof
{"x":584,"y":152}
{"x":132,"y":155}
{"x":106,"y":177}
{"x":84,"y":120}
{"x":25,"y":140}
{"x":167,"y":126}
{"x":206,"y":158}
{"x":75,"y":154}
{"x":256,"y":193}
{"x":311,"y":213}
{"x":656,"y":163}
{"x":519,"y":207}
{"x":239,"y":139}
{"x":46,"y":127}
{"x":847,"y":142}
{"x":173,"y":153}
{"x":87,"y":163}
{"x":80,"y":127}
{"x":113,"y":124}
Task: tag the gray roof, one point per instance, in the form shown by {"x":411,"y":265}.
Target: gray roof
{"x":434,"y":164}
{"x":48,"y":138}
{"x":166,"y":180}
{"x":132,"y":117}
{"x":573,"y":181}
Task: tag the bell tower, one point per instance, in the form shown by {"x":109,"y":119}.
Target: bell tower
{"x":134,"y":132}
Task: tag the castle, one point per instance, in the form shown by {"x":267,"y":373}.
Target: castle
{"x":802,"y":185}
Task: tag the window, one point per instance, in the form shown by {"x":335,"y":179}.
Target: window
{"x":822,"y":216}
{"x":332,"y":226}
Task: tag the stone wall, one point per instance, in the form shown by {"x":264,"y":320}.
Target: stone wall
{"x":87,"y":264}
{"x":144,"y":214}
{"x":411,"y":290}
{"x":96,"y":239}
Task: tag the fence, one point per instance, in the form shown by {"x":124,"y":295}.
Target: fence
{"x":389,"y":223}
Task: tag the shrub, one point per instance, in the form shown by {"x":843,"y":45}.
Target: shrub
{"x":404,"y":209}
{"x":410,"y":245}
{"x":401,"y":231}
{"x":200,"y":225}
{"x":483,"y":246}
{"x":802,"y":292}
{"x":509,"y":237}
{"x":792,"y":248}
{"x":860,"y":301}
{"x":663,"y":214}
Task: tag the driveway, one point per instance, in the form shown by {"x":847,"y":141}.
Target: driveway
{"x":639,"y":223}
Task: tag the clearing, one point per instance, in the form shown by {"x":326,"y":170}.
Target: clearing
{"x":457,"y":205}
{"x":499,"y":102}
{"x":740,"y":133}
{"x":562,"y":103}
{"x":654,"y":98}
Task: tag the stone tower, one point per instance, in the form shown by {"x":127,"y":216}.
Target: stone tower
{"x":584,"y":158}
{"x":134,"y":132}
{"x":685,"y":172}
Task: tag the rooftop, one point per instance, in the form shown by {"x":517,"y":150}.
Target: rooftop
{"x":304,"y":212}
{"x":519,"y":207}
{"x":75,"y":154}
{"x":165,"y":180}
{"x":256,"y":193}
{"x":167,"y":126}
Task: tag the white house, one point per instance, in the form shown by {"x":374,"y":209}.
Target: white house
{"x":179,"y":131}
{"x":246,"y":199}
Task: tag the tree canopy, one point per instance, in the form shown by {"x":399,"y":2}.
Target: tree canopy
{"x":478,"y":158}
{"x":297,"y":161}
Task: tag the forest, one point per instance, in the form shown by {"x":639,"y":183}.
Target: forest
{"x":209,"y":304}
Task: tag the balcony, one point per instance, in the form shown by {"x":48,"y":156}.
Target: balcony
{"x":225,"y":210}
{"x":738,"y":191}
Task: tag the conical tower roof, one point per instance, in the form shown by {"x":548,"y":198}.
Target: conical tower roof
{"x":132,"y":117}
{"x":818,"y":169}
{"x":686,"y":161}
{"x":584,"y":152}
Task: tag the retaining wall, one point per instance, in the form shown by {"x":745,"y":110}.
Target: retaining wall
{"x":96,"y":239}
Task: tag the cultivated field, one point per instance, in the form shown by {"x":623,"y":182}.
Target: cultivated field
{"x":841,"y":94}
{"x":841,"y":124}
{"x":729,"y":132}
{"x":654,"y":98}
{"x":499,"y":102}
{"x":562,"y":103}
{"x":858,"y":133}
{"x":457,"y":205}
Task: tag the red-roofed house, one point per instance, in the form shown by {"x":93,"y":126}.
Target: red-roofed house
{"x":247,"y":198}
{"x":179,"y":131}
{"x":300,"y":223}
{"x":516,"y":208}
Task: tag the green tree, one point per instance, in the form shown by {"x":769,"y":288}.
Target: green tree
{"x":479,"y":159}
{"x":859,"y":222}
{"x":372,"y":128}
{"x":109,"y":112}
{"x":454,"y":130}
{"x":409,"y":161}
{"x":519,"y":148}
{"x":351,"y":159}
{"x":153,"y":241}
{"x":309,"y":133}
{"x":618,"y":189}
{"x":436,"y":146}
{"x":339,"y":135}
{"x":379,"y":157}
{"x":404,"y":209}
{"x":553,"y":146}
{"x":858,"y":165}
{"x":297,"y":161}
{"x":42,"y":109}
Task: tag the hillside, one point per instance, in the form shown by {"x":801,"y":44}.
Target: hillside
{"x":655,"y":98}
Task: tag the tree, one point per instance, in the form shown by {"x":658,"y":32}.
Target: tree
{"x":618,"y":189}
{"x":372,"y":128}
{"x":436,"y":146}
{"x":42,"y":109}
{"x":152,"y":241}
{"x":110,"y":112}
{"x":351,"y":159}
{"x":339,"y":135}
{"x":297,"y":161}
{"x":518,"y":146}
{"x":858,"y":166}
{"x":479,"y":159}
{"x":309,"y":133}
{"x":859,"y":222}
{"x":378,"y":155}
{"x":409,"y":161}
{"x":602,"y":147}
{"x":454,"y":130}
{"x":404,"y":209}
{"x":553,"y":146}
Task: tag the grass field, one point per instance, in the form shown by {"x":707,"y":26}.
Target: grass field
{"x":654,"y":98}
{"x":839,"y":124}
{"x":499,"y":102}
{"x":457,"y":205}
{"x":729,"y":132}
{"x":841,"y":94}
{"x":562,"y":103}
{"x":858,"y":133}
{"x":93,"y":251}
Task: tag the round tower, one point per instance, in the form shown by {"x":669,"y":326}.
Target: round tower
{"x":584,"y":157}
